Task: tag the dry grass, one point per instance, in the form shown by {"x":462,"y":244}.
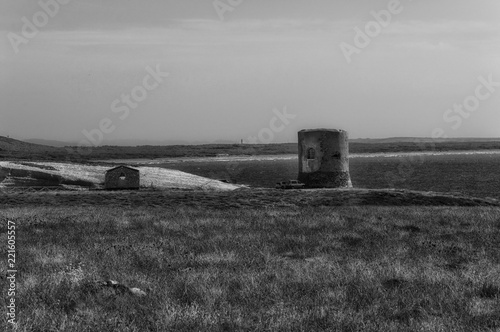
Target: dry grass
{"x":264,"y":269}
{"x":160,"y":178}
{"x":244,"y":198}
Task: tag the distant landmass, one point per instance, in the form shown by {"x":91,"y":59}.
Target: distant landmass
{"x":140,"y":142}
{"x":49,"y":142}
{"x":11,"y":145}
{"x":127,"y":142}
{"x":423,"y":139}
{"x":12,"y":149}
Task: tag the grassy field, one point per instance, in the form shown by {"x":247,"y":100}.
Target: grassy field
{"x":475,"y":174}
{"x":264,"y":259}
{"x":252,"y":199}
{"x":261,"y":269}
{"x":471,"y":174}
{"x":206,"y":150}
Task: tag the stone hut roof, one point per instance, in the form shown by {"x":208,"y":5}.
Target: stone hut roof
{"x":122,"y":166}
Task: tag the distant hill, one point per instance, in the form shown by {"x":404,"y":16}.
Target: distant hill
{"x":12,"y":149}
{"x":127,"y":142}
{"x":47,"y":142}
{"x":422,"y":139}
{"x":10,"y":144}
{"x":142,"y":142}
{"x":15,"y":149}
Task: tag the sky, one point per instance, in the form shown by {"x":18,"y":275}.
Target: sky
{"x":98,"y":71}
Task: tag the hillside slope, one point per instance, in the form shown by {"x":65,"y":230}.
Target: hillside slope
{"x":10,"y":144}
{"x":14,"y":149}
{"x":67,"y":175}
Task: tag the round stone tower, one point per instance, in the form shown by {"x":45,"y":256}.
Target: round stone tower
{"x":324,"y":158}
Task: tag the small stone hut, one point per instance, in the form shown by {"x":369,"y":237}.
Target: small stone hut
{"x":324,"y":158}
{"x":122,"y":177}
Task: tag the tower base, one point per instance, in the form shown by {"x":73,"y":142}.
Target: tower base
{"x":326,"y":179}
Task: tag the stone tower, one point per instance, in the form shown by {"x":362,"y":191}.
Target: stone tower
{"x":324,"y":158}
